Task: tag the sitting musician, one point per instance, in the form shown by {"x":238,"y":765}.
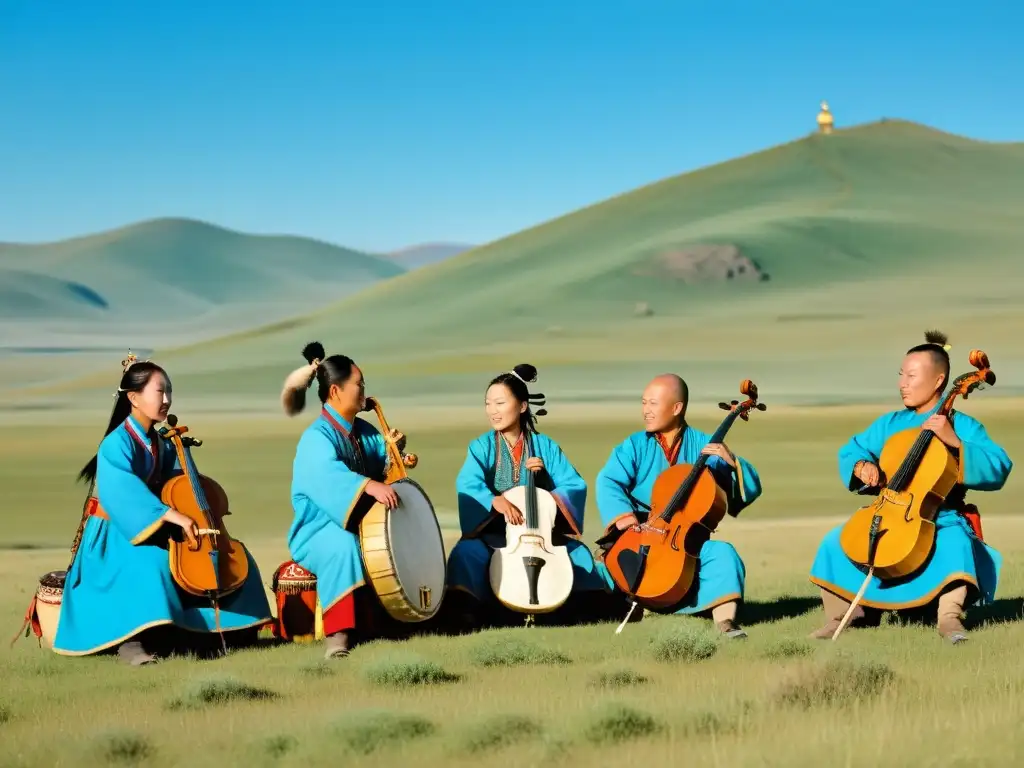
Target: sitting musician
{"x":336,"y":463}
{"x":962,"y":569}
{"x":627,"y":479}
{"x":494,"y":464}
{"x":119,"y":590}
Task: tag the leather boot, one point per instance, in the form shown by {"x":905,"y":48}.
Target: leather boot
{"x":724,"y":616}
{"x":835,"y":608}
{"x":134,"y":654}
{"x":950,"y":612}
{"x":336,"y":646}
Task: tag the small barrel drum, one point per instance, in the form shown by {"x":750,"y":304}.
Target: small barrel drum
{"x":295,"y":590}
{"x":44,"y":611}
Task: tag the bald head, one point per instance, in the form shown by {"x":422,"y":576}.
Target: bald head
{"x":664,"y":402}
{"x":673,"y":385}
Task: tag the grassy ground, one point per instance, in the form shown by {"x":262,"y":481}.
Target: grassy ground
{"x":662,"y":689}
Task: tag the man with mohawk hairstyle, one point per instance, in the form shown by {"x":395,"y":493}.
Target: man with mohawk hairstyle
{"x":963,"y":569}
{"x":339,"y":458}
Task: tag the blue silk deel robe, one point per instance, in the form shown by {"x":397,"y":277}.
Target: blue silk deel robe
{"x":333,"y":464}
{"x":959,"y":555}
{"x":632,"y":469}
{"x":120,"y":582}
{"x":489,"y":470}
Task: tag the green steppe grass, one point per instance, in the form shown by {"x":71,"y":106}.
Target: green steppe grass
{"x":666,"y":690}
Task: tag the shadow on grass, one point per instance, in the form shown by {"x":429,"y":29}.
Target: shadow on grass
{"x":756,"y":612}
{"x":1002,"y":611}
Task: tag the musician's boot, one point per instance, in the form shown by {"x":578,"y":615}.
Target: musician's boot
{"x":724,"y":616}
{"x":950,"y":612}
{"x":337,"y":646}
{"x":835,"y":608}
{"x":133,"y":653}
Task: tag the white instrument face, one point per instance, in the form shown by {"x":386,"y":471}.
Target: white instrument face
{"x":530,"y":574}
{"x":404,"y":555}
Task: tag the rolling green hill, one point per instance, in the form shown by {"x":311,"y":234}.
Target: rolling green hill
{"x":195,"y":265}
{"x":168,"y":282}
{"x":866,"y":237}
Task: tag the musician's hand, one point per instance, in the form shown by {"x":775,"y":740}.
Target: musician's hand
{"x":868,"y":473}
{"x":508,"y":510}
{"x":186,"y":523}
{"x":943,"y":430}
{"x":721,"y":450}
{"x":385,"y":494}
{"x":398,"y":438}
{"x":625,"y":522}
{"x":535,"y":464}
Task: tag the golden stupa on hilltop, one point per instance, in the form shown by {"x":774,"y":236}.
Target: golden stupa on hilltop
{"x":825,"y":120}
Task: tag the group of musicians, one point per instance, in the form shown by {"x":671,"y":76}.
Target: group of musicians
{"x":120,"y":597}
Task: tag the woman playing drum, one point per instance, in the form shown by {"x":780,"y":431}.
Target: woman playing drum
{"x":119,"y":588}
{"x":337,"y":461}
{"x":493,"y":465}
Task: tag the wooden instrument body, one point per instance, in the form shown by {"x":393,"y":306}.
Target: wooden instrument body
{"x":908,"y":515}
{"x":216,"y":565}
{"x":403,"y":548}
{"x":673,"y":546}
{"x":531,"y":574}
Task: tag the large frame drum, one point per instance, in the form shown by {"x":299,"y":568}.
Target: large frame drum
{"x":403,"y":552}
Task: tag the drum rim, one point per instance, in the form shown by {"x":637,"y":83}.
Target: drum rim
{"x":440,"y":535}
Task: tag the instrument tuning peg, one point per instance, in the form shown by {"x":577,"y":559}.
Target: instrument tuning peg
{"x":172,"y":420}
{"x":762,"y":407}
{"x":724,"y":406}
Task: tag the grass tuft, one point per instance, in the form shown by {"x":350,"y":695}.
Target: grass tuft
{"x":123,"y":747}
{"x":278,"y":746}
{"x":498,"y":732}
{"x":616,"y":723}
{"x":835,"y":683}
{"x":505,"y":651}
{"x":216,"y":692}
{"x":619,"y":678}
{"x":787,"y":648}
{"x":410,"y":671}
{"x":367,"y":731}
{"x":684,"y":643}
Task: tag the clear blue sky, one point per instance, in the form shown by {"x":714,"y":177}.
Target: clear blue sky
{"x":378,"y":124}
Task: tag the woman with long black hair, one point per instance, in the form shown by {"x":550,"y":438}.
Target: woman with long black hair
{"x":119,"y":587}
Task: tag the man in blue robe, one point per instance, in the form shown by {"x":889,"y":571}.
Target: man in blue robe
{"x":963,"y":569}
{"x":625,"y":483}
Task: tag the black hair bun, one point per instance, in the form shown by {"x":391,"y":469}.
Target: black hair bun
{"x":313,"y":351}
{"x":936,"y":337}
{"x":526,"y":372}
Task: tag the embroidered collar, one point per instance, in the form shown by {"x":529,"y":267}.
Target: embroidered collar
{"x":345,"y":430}
{"x":671,"y":451}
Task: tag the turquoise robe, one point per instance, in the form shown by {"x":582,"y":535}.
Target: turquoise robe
{"x":958,"y":555}
{"x":331,"y":470}
{"x":483,"y":530}
{"x":120,"y":582}
{"x":628,"y":477}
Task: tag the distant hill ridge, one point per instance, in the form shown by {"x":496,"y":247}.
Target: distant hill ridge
{"x":197,"y":264}
{"x":417,"y":256}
